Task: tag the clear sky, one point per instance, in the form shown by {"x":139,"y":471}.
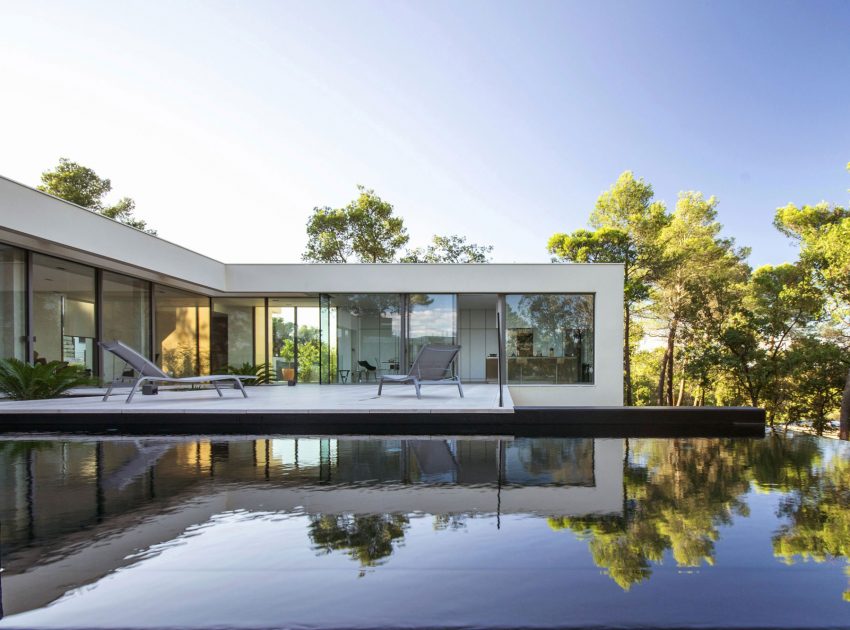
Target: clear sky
{"x":502,"y":121}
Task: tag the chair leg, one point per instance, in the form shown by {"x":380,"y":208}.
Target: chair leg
{"x":108,"y":391}
{"x":417,"y":386}
{"x":217,"y":390}
{"x":380,"y":386}
{"x":133,"y":390}
{"x":241,"y":387}
{"x":459,"y":387}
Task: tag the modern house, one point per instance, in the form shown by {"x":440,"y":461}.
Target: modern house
{"x":70,"y":277}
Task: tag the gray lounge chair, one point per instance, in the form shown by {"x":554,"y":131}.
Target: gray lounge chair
{"x":150,"y":373}
{"x":432,"y":366}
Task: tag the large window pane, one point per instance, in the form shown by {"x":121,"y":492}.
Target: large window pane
{"x":63,"y":311}
{"x":366,"y":333}
{"x":126,"y":318}
{"x":182,"y":328}
{"x":549,"y":339}
{"x":238,"y":333}
{"x":294,"y":343}
{"x":13,"y":306}
{"x":431,"y":318}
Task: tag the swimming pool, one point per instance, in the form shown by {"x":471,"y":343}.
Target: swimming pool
{"x":276,"y":531}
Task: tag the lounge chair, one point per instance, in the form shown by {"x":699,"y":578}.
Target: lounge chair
{"x":432,"y":366}
{"x":150,"y":373}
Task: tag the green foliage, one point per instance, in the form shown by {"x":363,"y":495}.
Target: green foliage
{"x":627,"y":226}
{"x":260,"y":370}
{"x":367,"y":539}
{"x":366,"y":228}
{"x":778,"y":304}
{"x":823,"y":232}
{"x":81,"y":185}
{"x":817,"y":372}
{"x":449,"y":249}
{"x":24,"y":381}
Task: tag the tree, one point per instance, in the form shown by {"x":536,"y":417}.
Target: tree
{"x":823,"y":232}
{"x":449,"y":249}
{"x":778,"y":304}
{"x":817,"y":376}
{"x":366,"y":228}
{"x":626,"y":226}
{"x":81,"y":185}
{"x":692,"y":250}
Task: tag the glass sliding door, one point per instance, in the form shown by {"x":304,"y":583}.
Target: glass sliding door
{"x":237,"y":335}
{"x":63,"y":312}
{"x":13,"y":303}
{"x":431,"y":318}
{"x":549,"y":339}
{"x":182,"y":332}
{"x":126,"y":317}
{"x":294,"y":339}
{"x":364,"y":336}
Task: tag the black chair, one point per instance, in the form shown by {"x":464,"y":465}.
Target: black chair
{"x":370,"y":369}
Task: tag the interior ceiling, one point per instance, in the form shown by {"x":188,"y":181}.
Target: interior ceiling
{"x":477,"y":301}
{"x":68,"y":279}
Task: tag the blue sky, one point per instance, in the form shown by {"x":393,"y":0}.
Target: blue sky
{"x":503,"y":121}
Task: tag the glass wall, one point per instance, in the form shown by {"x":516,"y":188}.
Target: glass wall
{"x":182,"y":332}
{"x":126,"y":317}
{"x":294,"y":339}
{"x":13,"y":302}
{"x":238,"y":333}
{"x":431,"y":318}
{"x":365,"y":339}
{"x":549,"y":339}
{"x":63,"y":312}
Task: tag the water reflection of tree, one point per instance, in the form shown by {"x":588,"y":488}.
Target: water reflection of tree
{"x":818,"y":513}
{"x":677,"y":494}
{"x":368,"y":539}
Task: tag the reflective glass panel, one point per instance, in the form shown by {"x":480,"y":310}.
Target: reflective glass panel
{"x":63,"y":312}
{"x":13,"y":287}
{"x":431,"y":318}
{"x":366,"y":332}
{"x":182,"y":341}
{"x":549,"y":339}
{"x":126,"y":317}
{"x":238,"y":335}
{"x":294,"y":343}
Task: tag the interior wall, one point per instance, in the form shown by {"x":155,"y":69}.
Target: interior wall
{"x":47,"y":320}
{"x":478,"y":339}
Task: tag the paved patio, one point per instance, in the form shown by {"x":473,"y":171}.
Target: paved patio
{"x":280,"y":399}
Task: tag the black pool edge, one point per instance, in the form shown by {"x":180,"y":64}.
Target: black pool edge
{"x":524,"y":422}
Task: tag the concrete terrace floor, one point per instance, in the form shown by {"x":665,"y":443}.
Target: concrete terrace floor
{"x":280,"y":399}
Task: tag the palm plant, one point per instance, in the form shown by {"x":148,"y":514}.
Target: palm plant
{"x":260,"y":370}
{"x":23,"y":381}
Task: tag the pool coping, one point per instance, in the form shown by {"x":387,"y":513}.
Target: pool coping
{"x":523,"y":421}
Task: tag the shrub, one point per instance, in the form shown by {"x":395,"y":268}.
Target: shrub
{"x":23,"y":381}
{"x":261,"y":371}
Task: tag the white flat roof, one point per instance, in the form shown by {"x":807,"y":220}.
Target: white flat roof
{"x":40,"y":222}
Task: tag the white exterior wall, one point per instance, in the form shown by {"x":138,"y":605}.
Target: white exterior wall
{"x":39,"y":222}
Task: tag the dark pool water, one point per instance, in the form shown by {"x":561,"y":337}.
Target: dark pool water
{"x":349,"y":532}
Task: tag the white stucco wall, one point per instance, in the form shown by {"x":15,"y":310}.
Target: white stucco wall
{"x":42,"y":223}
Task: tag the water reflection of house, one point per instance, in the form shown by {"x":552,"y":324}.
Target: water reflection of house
{"x":74,"y":511}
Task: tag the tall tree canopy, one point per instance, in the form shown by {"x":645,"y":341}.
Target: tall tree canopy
{"x":823,"y":234}
{"x":626,"y":223}
{"x":366,"y":228}
{"x":449,"y":249}
{"x":692,"y":251}
{"x":81,"y":185}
